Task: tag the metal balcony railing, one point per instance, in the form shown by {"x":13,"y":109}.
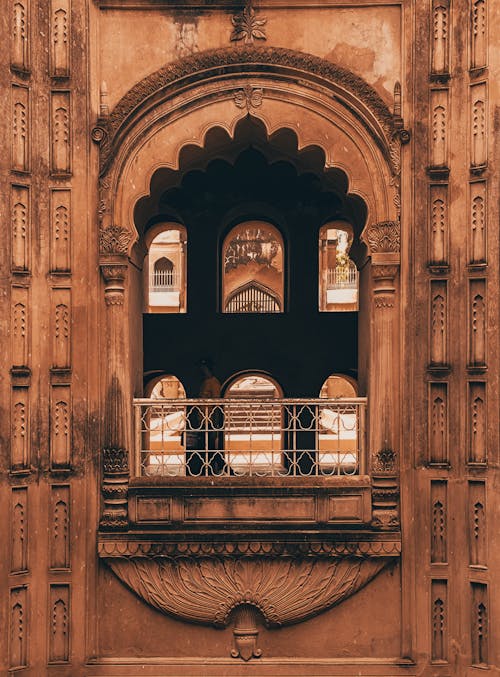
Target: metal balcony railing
{"x":249,"y":437}
{"x":342,"y":277}
{"x":164,"y":280}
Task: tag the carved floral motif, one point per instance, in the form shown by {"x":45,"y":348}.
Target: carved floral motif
{"x":384,"y":237}
{"x":114,"y":240}
{"x":249,"y":97}
{"x":248,"y":26}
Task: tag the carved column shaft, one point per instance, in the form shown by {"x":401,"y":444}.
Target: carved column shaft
{"x":115,"y":452}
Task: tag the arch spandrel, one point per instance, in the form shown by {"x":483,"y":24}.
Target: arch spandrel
{"x":143,"y":135}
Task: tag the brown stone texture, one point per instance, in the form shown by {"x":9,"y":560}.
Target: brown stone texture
{"x":118,"y":115}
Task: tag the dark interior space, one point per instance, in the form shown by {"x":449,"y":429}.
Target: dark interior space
{"x":252,"y":177}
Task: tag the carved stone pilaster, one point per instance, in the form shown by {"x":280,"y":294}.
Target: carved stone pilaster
{"x":115,"y":476}
{"x":385,"y":490}
{"x":114,"y":281}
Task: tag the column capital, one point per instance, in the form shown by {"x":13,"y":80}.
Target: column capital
{"x":114,"y":273}
{"x":114,"y":240}
{"x":383,"y":238}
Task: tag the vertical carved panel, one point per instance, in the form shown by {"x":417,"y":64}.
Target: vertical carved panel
{"x":477,"y":523}
{"x":19,"y":530}
{"x":60,"y":212}
{"x":20,"y":128}
{"x":479,"y":624}
{"x":477,"y":422}
{"x":59,"y":623}
{"x":20,"y":35}
{"x":20,"y":327}
{"x":440,"y":36}
{"x":439,"y":125}
{"x":60,"y":426}
{"x":61,"y":137}
{"x":438,"y":250}
{"x":20,"y":220}
{"x":61,"y":331}
{"x":439,"y":525}
{"x":20,"y":429}
{"x":478,"y":34}
{"x":59,"y":529}
{"x":18,"y":627}
{"x":479,"y":146}
{"x":439,"y":620}
{"x":59,"y":37}
{"x":438,"y":323}
{"x":477,"y":232}
{"x":438,"y":423}
{"x":477,"y":323}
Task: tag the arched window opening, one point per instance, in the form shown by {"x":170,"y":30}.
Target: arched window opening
{"x":252,"y":275}
{"x":338,"y":275}
{"x":165,"y":270}
{"x":163,"y":447}
{"x":340,"y":430}
{"x":252,"y":431}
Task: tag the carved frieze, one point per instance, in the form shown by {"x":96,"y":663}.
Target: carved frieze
{"x":19,"y":530}
{"x":477,"y":422}
{"x":59,"y":525}
{"x":20,"y":35}
{"x":59,"y":626}
{"x":439,"y":521}
{"x":477,"y":324}
{"x":20,"y":129}
{"x":439,"y":617}
{"x":477,"y":523}
{"x":207,"y":590}
{"x":438,"y":423}
{"x":60,"y":40}
{"x":20,"y":223}
{"x":60,"y":426}
{"x":60,"y":231}
{"x":18,"y":627}
{"x":60,"y":155}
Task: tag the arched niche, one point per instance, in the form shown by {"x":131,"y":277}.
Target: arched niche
{"x":164,"y":268}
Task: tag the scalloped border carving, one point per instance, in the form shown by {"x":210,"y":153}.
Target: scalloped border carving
{"x":206,"y":590}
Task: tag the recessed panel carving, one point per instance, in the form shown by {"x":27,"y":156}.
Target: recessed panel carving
{"x":477,"y":523}
{"x":20,"y":34}
{"x":478,"y":116}
{"x":20,"y":128}
{"x":439,"y":620}
{"x":439,"y":230}
{"x":60,"y":426}
{"x":60,"y":231}
{"x":479,"y":624}
{"x":478,"y":219}
{"x":477,"y":422}
{"x":59,"y":626}
{"x":20,"y":224}
{"x":439,"y":521}
{"x":20,"y":326}
{"x":18,"y":627}
{"x":19,"y":459}
{"x":19,"y":530}
{"x":477,"y":323}
{"x":60,"y":27}
{"x":440,"y":36}
{"x":59,"y":552}
{"x":60,"y":156}
{"x":61,"y":328}
{"x":250,"y":509}
{"x":438,"y":423}
{"x":478,"y":33}
{"x":153,"y":509}
{"x":438,"y":323}
{"x":439,"y":128}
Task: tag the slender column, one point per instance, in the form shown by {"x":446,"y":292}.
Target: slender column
{"x":115,"y":456}
{"x":384,"y":244}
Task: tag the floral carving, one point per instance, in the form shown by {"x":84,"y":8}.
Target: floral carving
{"x":207,"y":589}
{"x":114,"y":240}
{"x":248,"y":26}
{"x":384,"y":237}
{"x":249,"y":97}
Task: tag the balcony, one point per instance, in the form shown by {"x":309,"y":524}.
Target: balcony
{"x":266,"y":438}
{"x":164,"y":288}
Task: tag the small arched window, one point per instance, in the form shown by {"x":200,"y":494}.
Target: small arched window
{"x":252,"y":273}
{"x":339,"y":429}
{"x":165,"y":269}
{"x":338,"y":275}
